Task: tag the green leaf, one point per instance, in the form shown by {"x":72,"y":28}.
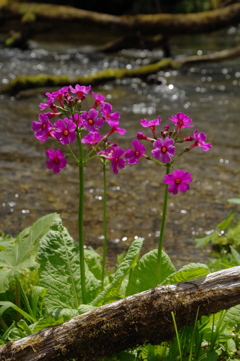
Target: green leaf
{"x":231,"y":346}
{"x":85,"y":308}
{"x":144,"y":276}
{"x":225,"y":223}
{"x":21,"y":254}
{"x":6,"y":304}
{"x":211,"y":356}
{"x":92,"y":259}
{"x":111,"y":291}
{"x":235,"y":254}
{"x":234,"y":200}
{"x":36,"y":294}
{"x":59,"y":271}
{"x":24,"y":327}
{"x":232,"y":317}
{"x":187,"y":272}
{"x":54,"y":318}
{"x":202,"y":241}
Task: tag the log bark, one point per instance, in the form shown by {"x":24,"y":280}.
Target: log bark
{"x":132,"y":321}
{"x":165,"y":24}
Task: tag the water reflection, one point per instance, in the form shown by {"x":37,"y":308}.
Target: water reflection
{"x":209,"y":94}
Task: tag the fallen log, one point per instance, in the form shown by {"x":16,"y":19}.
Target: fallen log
{"x":165,"y":24}
{"x":132,"y":321}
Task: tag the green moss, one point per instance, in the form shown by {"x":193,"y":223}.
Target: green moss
{"x":28,"y":17}
{"x":44,"y":80}
{"x":34,"y":81}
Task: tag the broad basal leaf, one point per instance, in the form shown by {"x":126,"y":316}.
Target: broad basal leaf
{"x":59,"y":271}
{"x":111,"y":291}
{"x":21,"y":254}
{"x":144,"y":275}
{"x":187,"y":272}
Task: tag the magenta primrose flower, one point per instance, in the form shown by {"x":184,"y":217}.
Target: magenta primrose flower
{"x":116,"y":160}
{"x":92,"y":138}
{"x":133,"y":156}
{"x":49,"y":103}
{"x":99,"y":98}
{"x":43,"y":128}
{"x":200,"y":141}
{"x":118,"y":130}
{"x":178,"y":181}
{"x":181,"y":120}
{"x":80,"y":90}
{"x":65,"y":131}
{"x":52,"y":97}
{"x":142,"y":136}
{"x":90,"y":120}
{"x":151,"y":124}
{"x":56,"y":161}
{"x":111,"y":118}
{"x":164,"y":149}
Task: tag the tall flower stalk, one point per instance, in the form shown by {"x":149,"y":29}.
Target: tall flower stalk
{"x":162,"y":229}
{"x":104,"y":223}
{"x":80,"y":220}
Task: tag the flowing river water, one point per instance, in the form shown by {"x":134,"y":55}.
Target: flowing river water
{"x":208,"y":93}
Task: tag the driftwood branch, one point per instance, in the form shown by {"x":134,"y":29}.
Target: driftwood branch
{"x":135,"y":320}
{"x":44,"y":80}
{"x":213,"y":57}
{"x":165,"y":24}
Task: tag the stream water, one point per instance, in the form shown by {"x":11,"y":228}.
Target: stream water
{"x":208,"y":93}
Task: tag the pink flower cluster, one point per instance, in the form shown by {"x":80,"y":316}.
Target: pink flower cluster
{"x":65,"y":104}
{"x":165,"y":148}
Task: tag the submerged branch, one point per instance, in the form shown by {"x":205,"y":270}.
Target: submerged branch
{"x":44,"y":80}
{"x":132,"y":321}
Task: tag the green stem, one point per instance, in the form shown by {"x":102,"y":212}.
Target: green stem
{"x":72,"y":154}
{"x":80,"y":221}
{"x":3,"y":324}
{"x":162,"y":228}
{"x":177,"y":336}
{"x":17,"y":300}
{"x":177,"y":156}
{"x":104,"y":223}
{"x":94,"y":149}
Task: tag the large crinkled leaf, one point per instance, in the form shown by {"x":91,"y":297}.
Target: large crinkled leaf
{"x":144,"y":275}
{"x":21,"y":254}
{"x":186,"y":273}
{"x":111,"y":291}
{"x":232,"y":317}
{"x":59,"y":271}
